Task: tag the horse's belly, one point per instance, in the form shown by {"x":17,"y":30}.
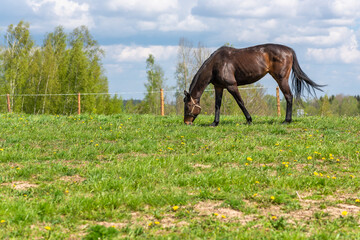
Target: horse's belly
{"x":249,"y":78}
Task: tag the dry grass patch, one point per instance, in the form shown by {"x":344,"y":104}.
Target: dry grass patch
{"x":74,"y":178}
{"x":20,"y":185}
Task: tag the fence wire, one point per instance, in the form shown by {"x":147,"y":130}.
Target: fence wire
{"x":92,"y":102}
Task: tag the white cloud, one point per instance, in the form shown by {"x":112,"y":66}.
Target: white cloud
{"x":140,"y":6}
{"x":67,"y":13}
{"x":347,"y":8}
{"x":171,"y":22}
{"x":122,"y":53}
{"x":246,"y":8}
{"x":346,"y":53}
{"x":317,"y":36}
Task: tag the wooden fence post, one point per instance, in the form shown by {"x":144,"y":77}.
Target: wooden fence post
{"x":162,"y":107}
{"x":278,"y":101}
{"x":8,"y":102}
{"x":79,"y":104}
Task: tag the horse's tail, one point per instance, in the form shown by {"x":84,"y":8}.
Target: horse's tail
{"x":301,"y":80}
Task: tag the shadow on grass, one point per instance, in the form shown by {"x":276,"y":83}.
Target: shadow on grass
{"x":243,"y":122}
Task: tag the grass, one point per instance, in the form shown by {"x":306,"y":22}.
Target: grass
{"x":131,"y":176}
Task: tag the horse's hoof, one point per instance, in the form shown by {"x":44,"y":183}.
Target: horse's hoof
{"x":286,"y":122}
{"x":214,"y":124}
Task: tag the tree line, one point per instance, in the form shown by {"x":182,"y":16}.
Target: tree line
{"x":66,"y":64}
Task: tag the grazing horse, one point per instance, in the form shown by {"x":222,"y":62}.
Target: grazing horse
{"x":229,"y":68}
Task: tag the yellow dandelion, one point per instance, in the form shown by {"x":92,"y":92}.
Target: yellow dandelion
{"x":352,"y":176}
{"x":216,"y":214}
{"x":272,"y":198}
{"x":223,"y":216}
{"x":246,"y":164}
{"x":1,"y":150}
{"x":255,"y":194}
{"x":2,"y":221}
{"x":48,"y":228}
{"x":333,"y":177}
{"x":316,"y":173}
{"x":249,"y":158}
{"x":277,"y":144}
{"x":218,"y":189}
{"x":175,"y":208}
{"x":286,"y":165}
{"x":120,"y":177}
{"x":257,"y":182}
{"x":273,"y":217}
{"x":309,"y":157}
{"x":150,"y":224}
{"x":357,"y":200}
{"x":344,"y":213}
{"x":156,"y":223}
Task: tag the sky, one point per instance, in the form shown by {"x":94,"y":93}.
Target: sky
{"x":325,"y":34}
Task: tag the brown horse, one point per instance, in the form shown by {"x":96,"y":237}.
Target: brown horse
{"x":229,"y":68}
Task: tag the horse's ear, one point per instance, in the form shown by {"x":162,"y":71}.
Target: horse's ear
{"x":186,"y":94}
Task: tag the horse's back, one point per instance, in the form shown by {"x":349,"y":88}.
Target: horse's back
{"x":250,"y":64}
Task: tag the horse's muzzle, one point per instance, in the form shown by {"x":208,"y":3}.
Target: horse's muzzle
{"x":188,"y":123}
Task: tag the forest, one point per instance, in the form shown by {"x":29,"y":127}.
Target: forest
{"x":46,"y":79}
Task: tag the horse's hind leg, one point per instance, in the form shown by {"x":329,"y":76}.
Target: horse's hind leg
{"x":218,"y":98}
{"x":285,"y":89}
{"x":234,"y":91}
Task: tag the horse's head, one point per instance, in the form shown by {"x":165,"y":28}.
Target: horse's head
{"x":191,"y":109}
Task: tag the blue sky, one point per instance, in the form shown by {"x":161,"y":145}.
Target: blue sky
{"x":324,"y":34}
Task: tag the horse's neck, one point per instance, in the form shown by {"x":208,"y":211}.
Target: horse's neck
{"x":198,"y":88}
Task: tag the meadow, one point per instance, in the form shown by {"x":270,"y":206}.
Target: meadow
{"x":152,"y":177}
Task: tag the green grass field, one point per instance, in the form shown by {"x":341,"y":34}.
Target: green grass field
{"x":132,"y":176}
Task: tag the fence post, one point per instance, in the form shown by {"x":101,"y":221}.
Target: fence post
{"x":162,"y":107}
{"x":79,"y":104}
{"x":8,"y":102}
{"x":278,"y":101}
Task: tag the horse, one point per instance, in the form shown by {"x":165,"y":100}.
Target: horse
{"x":228,"y":68}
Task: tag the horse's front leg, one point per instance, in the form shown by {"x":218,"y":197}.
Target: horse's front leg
{"x":218,"y":98}
{"x":234,"y":91}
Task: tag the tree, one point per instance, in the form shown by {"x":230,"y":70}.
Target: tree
{"x":16,"y":62}
{"x":85,"y":72}
{"x":189,"y":61}
{"x":325,"y":106}
{"x":155,"y":81}
{"x":183,"y":70}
